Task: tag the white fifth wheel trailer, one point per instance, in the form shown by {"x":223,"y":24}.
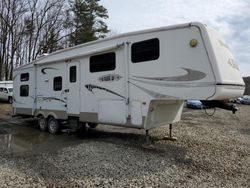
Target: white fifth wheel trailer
{"x":140,"y":79}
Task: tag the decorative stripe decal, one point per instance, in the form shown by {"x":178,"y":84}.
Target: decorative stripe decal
{"x":91,"y":87}
{"x":191,"y":75}
{"x":224,"y":45}
{"x":46,"y":68}
{"x":18,"y":102}
{"x":165,"y":84}
{"x":51,"y":98}
{"x":153,"y":93}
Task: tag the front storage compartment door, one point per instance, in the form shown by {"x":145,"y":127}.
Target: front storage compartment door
{"x":112,"y":111}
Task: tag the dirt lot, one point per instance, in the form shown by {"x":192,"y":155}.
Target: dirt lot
{"x":210,"y":152}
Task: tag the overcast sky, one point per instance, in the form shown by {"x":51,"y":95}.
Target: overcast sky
{"x":230,"y":17}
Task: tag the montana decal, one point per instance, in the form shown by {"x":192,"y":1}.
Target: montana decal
{"x":110,"y":78}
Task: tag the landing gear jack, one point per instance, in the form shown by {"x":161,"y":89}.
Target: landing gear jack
{"x":170,"y":137}
{"x":148,"y":139}
{"x":149,"y":142}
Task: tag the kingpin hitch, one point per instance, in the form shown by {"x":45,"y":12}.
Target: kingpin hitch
{"x":220,"y":104}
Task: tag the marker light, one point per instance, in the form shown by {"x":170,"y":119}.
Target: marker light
{"x":193,"y":43}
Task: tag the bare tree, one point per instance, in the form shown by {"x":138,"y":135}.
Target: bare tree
{"x":29,"y":28}
{"x":10,"y":19}
{"x":43,"y":26}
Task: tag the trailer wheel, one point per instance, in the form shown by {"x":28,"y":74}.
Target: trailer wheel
{"x":42,"y":122}
{"x":92,"y":125}
{"x":53,"y":126}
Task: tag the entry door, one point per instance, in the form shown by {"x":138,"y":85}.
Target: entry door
{"x":73,"y":98}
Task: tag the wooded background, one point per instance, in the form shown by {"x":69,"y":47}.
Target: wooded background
{"x":30,"y":28}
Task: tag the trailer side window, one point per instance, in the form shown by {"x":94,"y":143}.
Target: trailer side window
{"x":24,"y":90}
{"x":24,"y":77}
{"x":146,"y":50}
{"x":103,"y":62}
{"x":72,"y":74}
{"x":57,"y":84}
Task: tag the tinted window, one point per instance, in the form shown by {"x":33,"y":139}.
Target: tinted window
{"x":103,"y":62}
{"x":146,"y":50}
{"x":57,"y":84}
{"x":72,"y":74}
{"x":24,"y":90}
{"x":24,"y":77}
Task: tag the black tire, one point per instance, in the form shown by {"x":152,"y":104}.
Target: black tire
{"x":53,"y":126}
{"x":42,"y":123}
{"x":10,"y":100}
{"x":92,"y":125}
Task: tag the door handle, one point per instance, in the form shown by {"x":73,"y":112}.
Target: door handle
{"x":66,"y":90}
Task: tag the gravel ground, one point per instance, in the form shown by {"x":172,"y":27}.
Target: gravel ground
{"x":209,"y":152}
